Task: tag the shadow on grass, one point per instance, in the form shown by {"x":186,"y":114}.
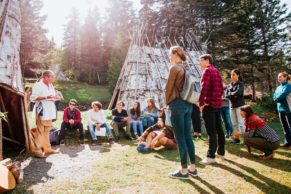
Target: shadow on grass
{"x":267,"y":185}
{"x":201,"y":190}
{"x":284,"y":152}
{"x":273,"y":163}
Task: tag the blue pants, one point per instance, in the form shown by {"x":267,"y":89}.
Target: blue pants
{"x":181,"y":120}
{"x":148,"y":121}
{"x":134,"y":125}
{"x":225,"y":113}
{"x":92,"y":131}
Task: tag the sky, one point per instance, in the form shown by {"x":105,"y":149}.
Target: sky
{"x":58,"y":10}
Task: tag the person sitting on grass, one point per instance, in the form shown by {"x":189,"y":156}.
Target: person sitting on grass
{"x":72,"y":120}
{"x":96,"y":121}
{"x":120,"y":119}
{"x":135,"y":121}
{"x":150,"y":114}
{"x":258,"y":134}
{"x":157,"y":135}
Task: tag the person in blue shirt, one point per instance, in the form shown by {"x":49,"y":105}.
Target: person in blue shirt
{"x":281,"y":97}
{"x":150,"y":114}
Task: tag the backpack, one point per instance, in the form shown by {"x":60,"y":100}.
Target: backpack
{"x":54,"y":136}
{"x":191,"y":88}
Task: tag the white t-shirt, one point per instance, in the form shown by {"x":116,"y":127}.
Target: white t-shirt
{"x":96,"y":117}
{"x":40,"y":89}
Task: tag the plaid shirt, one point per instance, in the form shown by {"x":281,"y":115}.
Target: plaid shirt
{"x":212,"y":88}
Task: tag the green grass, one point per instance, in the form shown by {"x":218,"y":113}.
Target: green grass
{"x":82,"y":92}
{"x":124,"y":170}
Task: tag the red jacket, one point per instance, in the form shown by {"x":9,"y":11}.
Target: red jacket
{"x":254,"y":122}
{"x":76,"y":116}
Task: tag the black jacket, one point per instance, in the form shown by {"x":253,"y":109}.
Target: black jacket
{"x":235,"y":93}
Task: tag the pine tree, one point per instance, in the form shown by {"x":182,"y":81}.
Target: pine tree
{"x":33,"y":39}
{"x":72,"y":58}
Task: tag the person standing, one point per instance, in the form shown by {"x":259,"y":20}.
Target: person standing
{"x":43,"y":94}
{"x":180,"y":114}
{"x":225,"y":113}
{"x":235,"y":93}
{"x":210,"y":102}
{"x":196,"y":122}
{"x":280,"y":97}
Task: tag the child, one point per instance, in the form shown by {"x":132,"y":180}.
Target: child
{"x":258,"y":134}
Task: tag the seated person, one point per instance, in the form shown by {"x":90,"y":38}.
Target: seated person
{"x":96,"y":120}
{"x":72,"y":120}
{"x":120,"y":119}
{"x":258,"y":134}
{"x":150,"y":114}
{"x":157,"y":135}
{"x":134,"y":114}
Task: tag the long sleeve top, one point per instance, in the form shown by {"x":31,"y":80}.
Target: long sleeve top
{"x":174,"y":83}
{"x":211,"y":88}
{"x":235,"y":93}
{"x":40,"y":89}
{"x":153,"y":113}
{"x":280,"y":97}
{"x":96,"y":117}
{"x":75,"y":114}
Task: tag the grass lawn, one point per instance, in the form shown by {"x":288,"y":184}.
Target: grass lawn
{"x":83,"y":92}
{"x":124,"y":170}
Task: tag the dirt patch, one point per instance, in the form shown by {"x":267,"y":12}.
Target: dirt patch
{"x":72,"y":164}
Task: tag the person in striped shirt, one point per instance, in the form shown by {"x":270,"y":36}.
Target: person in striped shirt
{"x":258,"y":134}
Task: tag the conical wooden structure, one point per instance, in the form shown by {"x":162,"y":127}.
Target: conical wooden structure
{"x":146,"y":68}
{"x":11,"y":89}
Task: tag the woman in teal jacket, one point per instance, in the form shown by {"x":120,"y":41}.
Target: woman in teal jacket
{"x":280,"y":97}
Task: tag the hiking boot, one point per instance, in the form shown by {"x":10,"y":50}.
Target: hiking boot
{"x":207,"y":161}
{"x":179,"y":175}
{"x":129,"y":137}
{"x":81,"y":141}
{"x":193,"y":173}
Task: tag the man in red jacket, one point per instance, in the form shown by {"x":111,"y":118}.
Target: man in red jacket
{"x":72,"y":120}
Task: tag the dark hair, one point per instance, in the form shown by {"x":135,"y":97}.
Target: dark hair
{"x":153,"y":103}
{"x":74,"y":101}
{"x":285,"y":74}
{"x":120,"y":101}
{"x":237,"y":72}
{"x":162,"y":115}
{"x":247,"y":109}
{"x":207,"y":57}
{"x":179,"y":51}
{"x":137,"y":111}
{"x":97,"y":103}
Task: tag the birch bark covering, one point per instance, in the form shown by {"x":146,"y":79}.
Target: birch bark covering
{"x":146,"y":68}
{"x":10,"y":72}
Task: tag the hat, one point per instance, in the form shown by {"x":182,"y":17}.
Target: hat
{"x":7,"y":180}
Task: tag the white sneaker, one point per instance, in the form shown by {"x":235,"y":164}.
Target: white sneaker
{"x":207,"y":160}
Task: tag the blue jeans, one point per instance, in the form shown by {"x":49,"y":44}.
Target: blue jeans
{"x":225,"y":113}
{"x":148,"y":121}
{"x":181,"y":121}
{"x":92,"y":130}
{"x":134,"y":125}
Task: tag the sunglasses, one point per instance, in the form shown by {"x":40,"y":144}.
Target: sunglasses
{"x":72,"y":104}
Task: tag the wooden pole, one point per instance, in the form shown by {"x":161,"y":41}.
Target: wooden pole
{"x":1,"y":148}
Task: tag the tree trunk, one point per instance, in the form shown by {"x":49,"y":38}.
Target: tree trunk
{"x":254,"y":97}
